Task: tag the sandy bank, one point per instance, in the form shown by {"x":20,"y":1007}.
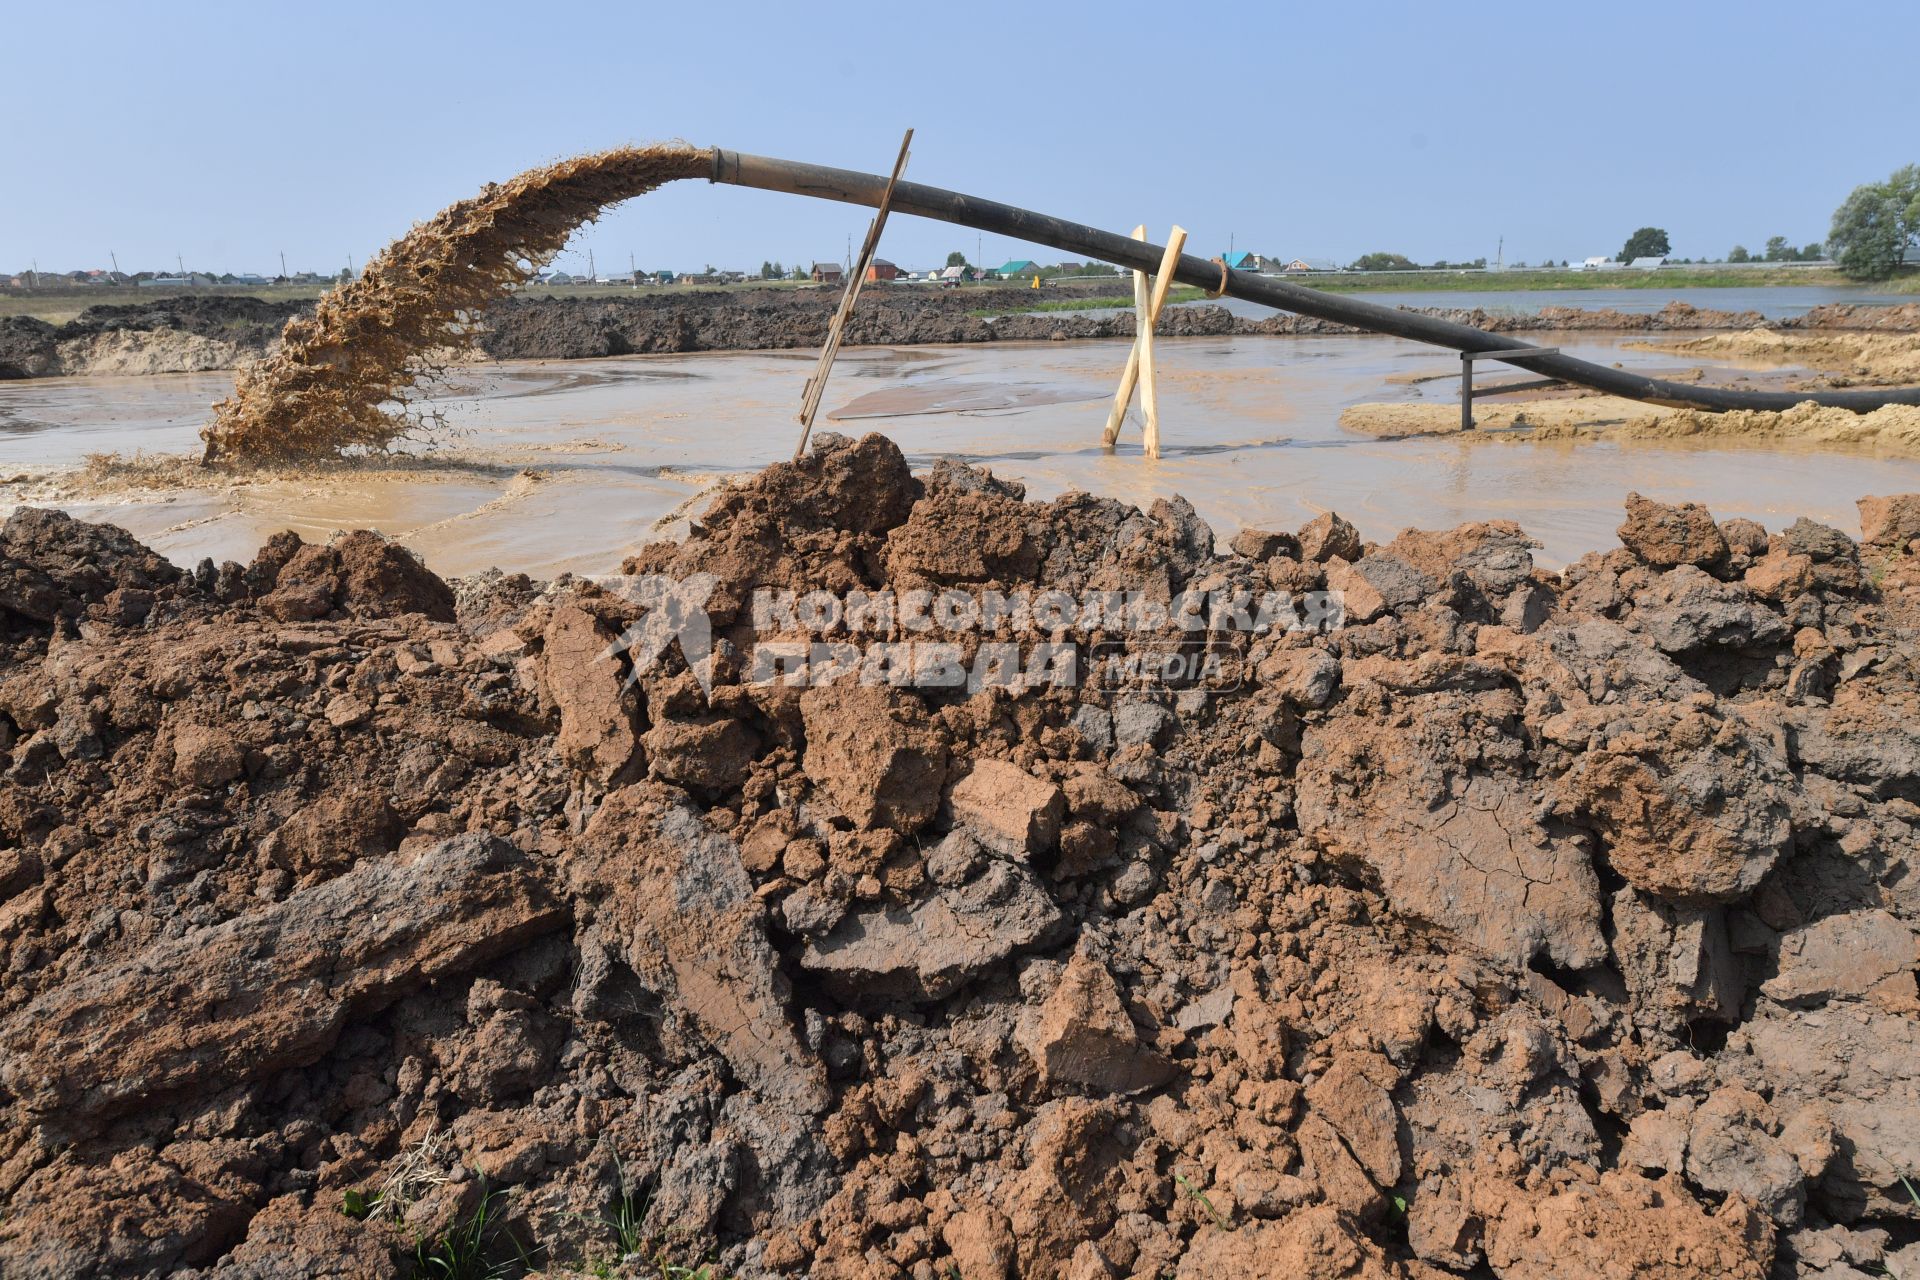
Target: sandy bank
{"x":1858,"y":358}
{"x":1893,"y":430}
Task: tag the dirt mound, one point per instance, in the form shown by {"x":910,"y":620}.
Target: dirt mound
{"x":1892,"y":429}
{"x":1857,"y":358}
{"x":200,"y":333}
{"x":1541,"y":418}
{"x":172,"y":335}
{"x":572,"y":328}
{"x":1901,"y":318}
{"x":325,"y":390}
{"x":1521,"y":924}
{"x":246,"y":320}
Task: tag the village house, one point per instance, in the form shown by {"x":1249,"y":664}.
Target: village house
{"x":1254,"y":262}
{"x":827,"y":273}
{"x":881,"y":269}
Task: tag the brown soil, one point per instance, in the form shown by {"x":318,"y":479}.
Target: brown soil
{"x":1863,"y":358}
{"x":173,"y":335}
{"x":1893,"y":429}
{"x":1529,"y":924}
{"x":1589,"y":412}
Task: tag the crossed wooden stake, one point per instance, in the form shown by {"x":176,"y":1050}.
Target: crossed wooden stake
{"x":1147,"y":302}
{"x":1146,"y":312}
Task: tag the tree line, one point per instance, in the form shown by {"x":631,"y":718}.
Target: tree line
{"x":1872,"y":232}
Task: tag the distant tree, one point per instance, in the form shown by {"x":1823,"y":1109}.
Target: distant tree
{"x":1876,"y":225}
{"x":1739,"y":254}
{"x":1778,"y":250}
{"x":1384,"y":262}
{"x":956,"y":259}
{"x":799,"y":272}
{"x":1813,"y":252}
{"x":767,"y":270}
{"x":1647,"y":242}
{"x":345,"y":276}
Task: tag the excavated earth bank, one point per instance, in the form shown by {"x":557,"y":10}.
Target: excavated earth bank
{"x":190,"y":334}
{"x":1527,"y":925}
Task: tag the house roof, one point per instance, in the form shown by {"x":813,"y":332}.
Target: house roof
{"x":1017,"y":266}
{"x":1242,"y":261}
{"x":828,"y":266}
{"x":1645,"y":263}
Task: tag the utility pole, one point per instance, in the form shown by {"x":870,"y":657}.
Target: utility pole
{"x":181,"y":263}
{"x":283,"y":264}
{"x":593,"y":272}
{"x":633,"y":272}
{"x":114,"y":259}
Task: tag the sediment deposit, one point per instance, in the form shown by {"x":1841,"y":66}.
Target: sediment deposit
{"x":1862,"y":357}
{"x":1893,"y":430}
{"x":1525,"y":924}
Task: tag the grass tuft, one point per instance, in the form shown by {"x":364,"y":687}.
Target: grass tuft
{"x":1195,"y":1193}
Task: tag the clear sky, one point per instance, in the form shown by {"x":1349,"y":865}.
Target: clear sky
{"x":226,"y":133}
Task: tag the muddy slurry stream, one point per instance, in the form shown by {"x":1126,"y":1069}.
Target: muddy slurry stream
{"x":568,"y":465}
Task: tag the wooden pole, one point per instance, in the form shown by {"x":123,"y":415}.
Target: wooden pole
{"x":1123,"y":394}
{"x":1140,"y":359}
{"x":817,"y":384}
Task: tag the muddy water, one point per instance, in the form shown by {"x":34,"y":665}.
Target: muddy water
{"x":568,"y":465}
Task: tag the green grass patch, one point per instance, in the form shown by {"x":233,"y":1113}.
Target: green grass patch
{"x":477,"y":1247}
{"x":1200,"y":1197}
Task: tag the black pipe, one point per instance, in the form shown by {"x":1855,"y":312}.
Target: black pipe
{"x":847,"y":186}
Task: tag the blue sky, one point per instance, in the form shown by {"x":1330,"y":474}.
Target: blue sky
{"x":226,"y":133}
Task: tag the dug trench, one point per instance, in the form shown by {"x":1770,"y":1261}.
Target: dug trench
{"x":357,"y":923}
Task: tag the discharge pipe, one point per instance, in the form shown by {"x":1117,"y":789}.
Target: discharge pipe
{"x":849,"y":187}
